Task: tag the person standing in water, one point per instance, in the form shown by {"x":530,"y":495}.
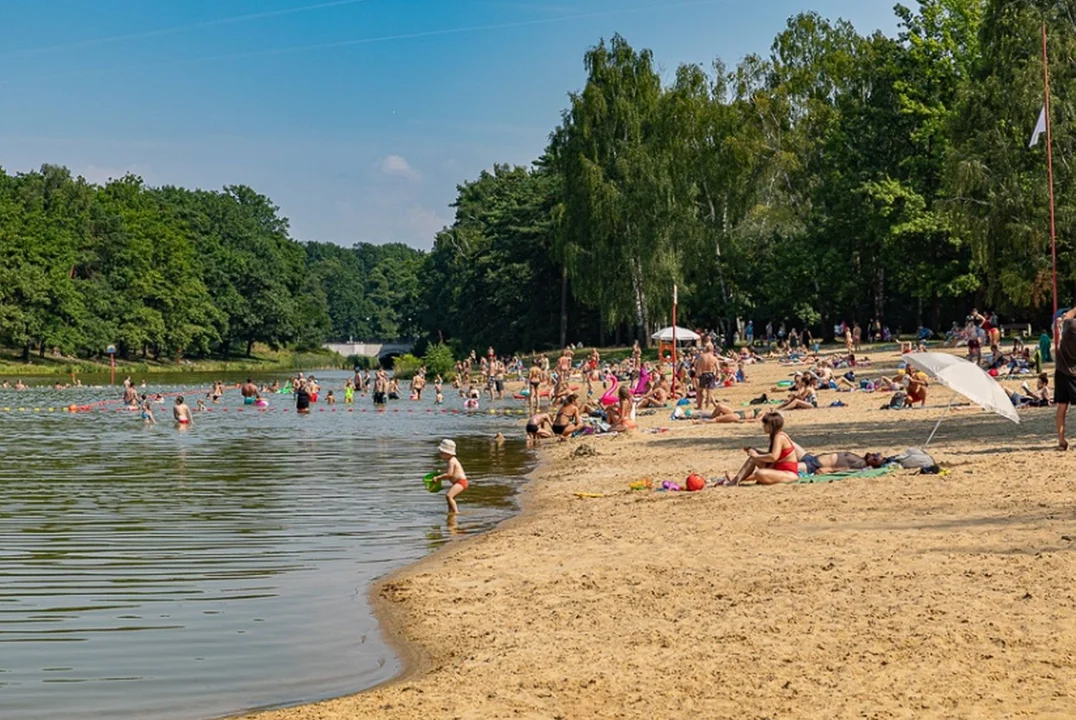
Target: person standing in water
{"x":182,"y":413}
{"x":302,"y":399}
{"x":381,"y":387}
{"x":249,"y":391}
{"x":455,"y":474}
{"x":147,"y":412}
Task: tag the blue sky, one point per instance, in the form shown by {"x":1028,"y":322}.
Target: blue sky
{"x":357,"y":117}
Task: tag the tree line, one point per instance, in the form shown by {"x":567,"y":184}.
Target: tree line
{"x":172,"y":273}
{"x":841,"y":176}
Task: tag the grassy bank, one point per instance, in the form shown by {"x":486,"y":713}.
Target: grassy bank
{"x":262,"y":360}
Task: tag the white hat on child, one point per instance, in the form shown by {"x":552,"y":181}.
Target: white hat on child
{"x":448,"y":447}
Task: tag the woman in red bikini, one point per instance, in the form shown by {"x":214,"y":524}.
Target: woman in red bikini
{"x":775,"y":467}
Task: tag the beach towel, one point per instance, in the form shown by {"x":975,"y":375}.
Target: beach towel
{"x":834,"y":477}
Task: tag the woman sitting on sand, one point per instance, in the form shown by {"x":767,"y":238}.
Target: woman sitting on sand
{"x":567,"y":421}
{"x":917,"y":389}
{"x":804,"y":397}
{"x":619,"y":415}
{"x":775,"y":467}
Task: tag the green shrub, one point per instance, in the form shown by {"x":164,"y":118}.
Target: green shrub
{"x":404,"y":367}
{"x":362,"y":362}
{"x":440,"y":361}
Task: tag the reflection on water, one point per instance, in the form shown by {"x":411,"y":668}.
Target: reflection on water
{"x":150,"y":572}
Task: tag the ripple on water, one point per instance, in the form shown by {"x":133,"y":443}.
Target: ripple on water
{"x":146,"y":571}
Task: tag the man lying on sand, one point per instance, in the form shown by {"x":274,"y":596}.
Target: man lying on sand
{"x":834,"y":462}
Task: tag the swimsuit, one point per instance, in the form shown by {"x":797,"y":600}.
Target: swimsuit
{"x":706,"y":380}
{"x":462,"y":482}
{"x":532,"y":429}
{"x":559,"y":429}
{"x":812,"y":464}
{"x":785,"y":465}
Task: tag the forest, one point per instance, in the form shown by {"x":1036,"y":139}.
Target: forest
{"x":839,"y":177}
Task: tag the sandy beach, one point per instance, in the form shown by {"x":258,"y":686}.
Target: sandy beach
{"x":896,"y":597}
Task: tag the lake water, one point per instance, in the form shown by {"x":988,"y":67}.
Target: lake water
{"x":153,"y":572}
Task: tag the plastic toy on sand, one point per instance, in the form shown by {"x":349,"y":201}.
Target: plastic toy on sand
{"x":432,"y":484}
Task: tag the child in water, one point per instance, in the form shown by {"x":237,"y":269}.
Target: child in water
{"x":455,"y":474}
{"x":330,"y":399}
{"x":147,"y":412}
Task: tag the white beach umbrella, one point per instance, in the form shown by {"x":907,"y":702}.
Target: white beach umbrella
{"x":967,"y":379}
{"x":682,"y":335}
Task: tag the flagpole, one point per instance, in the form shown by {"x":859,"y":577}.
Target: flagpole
{"x":1050,"y":175}
{"x":674,"y":341}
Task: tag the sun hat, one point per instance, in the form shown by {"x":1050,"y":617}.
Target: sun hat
{"x":448,"y":447}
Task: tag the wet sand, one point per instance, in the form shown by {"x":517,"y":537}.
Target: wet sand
{"x":898,"y":597}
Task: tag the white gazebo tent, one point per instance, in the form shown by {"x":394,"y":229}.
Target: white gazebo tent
{"x":682,"y":335}
{"x":666,"y":345}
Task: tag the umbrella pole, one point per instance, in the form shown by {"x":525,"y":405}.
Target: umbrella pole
{"x":938,"y":424}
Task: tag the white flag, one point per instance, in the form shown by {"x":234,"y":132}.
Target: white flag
{"x":1040,"y":128}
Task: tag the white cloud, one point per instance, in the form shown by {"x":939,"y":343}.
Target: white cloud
{"x":424,"y":222}
{"x":398,"y":166}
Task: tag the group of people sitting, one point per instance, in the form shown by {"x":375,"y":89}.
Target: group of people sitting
{"x":785,"y":461}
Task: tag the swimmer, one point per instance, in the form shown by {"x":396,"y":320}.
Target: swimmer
{"x":201,"y":405}
{"x":330,"y":399}
{"x":182,"y":413}
{"x":260,"y":402}
{"x":147,"y":412}
{"x":455,"y":474}
{"x":349,"y":393}
{"x":130,"y":396}
{"x":381,"y":385}
{"x":248,"y":390}
{"x":302,"y":399}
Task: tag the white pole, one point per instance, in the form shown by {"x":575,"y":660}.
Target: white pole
{"x":938,"y":424}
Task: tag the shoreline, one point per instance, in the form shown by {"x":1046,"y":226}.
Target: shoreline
{"x":897,"y":596}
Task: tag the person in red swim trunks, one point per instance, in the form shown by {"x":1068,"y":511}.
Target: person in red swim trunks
{"x":775,"y":467}
{"x":455,"y":474}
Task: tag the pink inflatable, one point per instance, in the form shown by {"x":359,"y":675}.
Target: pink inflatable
{"x":643,"y":386}
{"x":610,"y":397}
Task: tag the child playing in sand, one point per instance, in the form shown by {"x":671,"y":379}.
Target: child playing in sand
{"x":455,"y":474}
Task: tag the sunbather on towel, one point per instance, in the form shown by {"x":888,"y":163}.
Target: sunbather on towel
{"x":834,"y":462}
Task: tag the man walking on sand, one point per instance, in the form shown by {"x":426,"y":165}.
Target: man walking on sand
{"x":1065,"y":373}
{"x":706,"y":366}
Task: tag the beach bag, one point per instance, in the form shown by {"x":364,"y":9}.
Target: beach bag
{"x":916,"y":459}
{"x":898,"y":401}
{"x":761,"y":400}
